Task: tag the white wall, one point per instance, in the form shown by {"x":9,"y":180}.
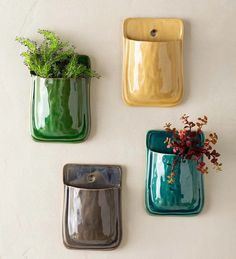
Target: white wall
{"x":31,"y":189}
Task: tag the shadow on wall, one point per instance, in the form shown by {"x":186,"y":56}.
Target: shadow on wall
{"x":187,"y":60}
{"x":124,"y":208}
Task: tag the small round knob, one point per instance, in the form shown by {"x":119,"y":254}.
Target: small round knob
{"x":91,"y":178}
{"x":153,"y":33}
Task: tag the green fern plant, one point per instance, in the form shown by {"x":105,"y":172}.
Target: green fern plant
{"x":53,"y":58}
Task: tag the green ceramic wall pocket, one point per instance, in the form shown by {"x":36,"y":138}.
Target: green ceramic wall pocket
{"x":60,"y":108}
{"x":152,"y":61}
{"x":92,"y":206}
{"x":186,"y":195}
{"x":60,"y":98}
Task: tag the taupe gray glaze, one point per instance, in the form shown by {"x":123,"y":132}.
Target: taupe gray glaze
{"x":92,"y":206}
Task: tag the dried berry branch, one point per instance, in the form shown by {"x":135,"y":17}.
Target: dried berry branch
{"x":186,"y":143}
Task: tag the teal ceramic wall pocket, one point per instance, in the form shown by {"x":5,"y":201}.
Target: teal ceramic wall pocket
{"x":92,"y":206}
{"x":60,"y":108}
{"x":186,"y":195}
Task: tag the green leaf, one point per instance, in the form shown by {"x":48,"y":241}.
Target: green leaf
{"x":53,"y":58}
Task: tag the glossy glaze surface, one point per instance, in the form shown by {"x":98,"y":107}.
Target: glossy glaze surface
{"x":60,"y":108}
{"x":186,"y":195}
{"x":92,"y":206}
{"x":153,"y":62}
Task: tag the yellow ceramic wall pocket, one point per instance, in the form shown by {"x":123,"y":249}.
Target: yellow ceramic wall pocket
{"x":152,"y":61}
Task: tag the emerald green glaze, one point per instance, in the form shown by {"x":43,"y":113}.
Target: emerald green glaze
{"x":186,"y":195}
{"x":60,"y":108}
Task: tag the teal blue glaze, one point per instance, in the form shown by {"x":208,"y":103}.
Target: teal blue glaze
{"x":155,"y":141}
{"x":186,"y":195}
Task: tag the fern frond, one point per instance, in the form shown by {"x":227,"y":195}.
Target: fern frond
{"x":53,"y":58}
{"x":50,"y":38}
{"x":31,"y":45}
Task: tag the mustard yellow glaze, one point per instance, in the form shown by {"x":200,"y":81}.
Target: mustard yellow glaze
{"x":153,"y":62}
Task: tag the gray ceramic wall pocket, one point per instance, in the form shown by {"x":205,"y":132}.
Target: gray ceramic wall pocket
{"x":92,"y":206}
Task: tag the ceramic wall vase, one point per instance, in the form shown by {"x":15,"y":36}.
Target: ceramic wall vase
{"x":152,"y":61}
{"x":92,"y":206}
{"x":183,"y":197}
{"x":60,"y":108}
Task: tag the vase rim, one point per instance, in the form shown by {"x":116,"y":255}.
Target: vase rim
{"x":93,"y":189}
{"x":161,"y":153}
{"x":60,"y":78}
{"x":170,"y":155}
